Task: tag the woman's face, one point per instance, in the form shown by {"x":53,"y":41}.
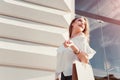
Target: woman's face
{"x":79,"y":25}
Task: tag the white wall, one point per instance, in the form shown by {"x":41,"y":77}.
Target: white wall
{"x":11,"y":73}
{"x":30,"y":32}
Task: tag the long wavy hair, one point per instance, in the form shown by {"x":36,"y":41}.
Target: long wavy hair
{"x":86,"y":30}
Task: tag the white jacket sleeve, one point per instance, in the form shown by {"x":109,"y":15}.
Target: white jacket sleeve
{"x":91,"y":52}
{"x":60,"y":64}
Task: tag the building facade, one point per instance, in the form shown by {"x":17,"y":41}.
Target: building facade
{"x":30,"y":32}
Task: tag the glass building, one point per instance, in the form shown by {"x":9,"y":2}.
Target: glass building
{"x":104,"y":20}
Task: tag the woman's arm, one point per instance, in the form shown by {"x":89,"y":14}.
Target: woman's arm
{"x":83,"y":57}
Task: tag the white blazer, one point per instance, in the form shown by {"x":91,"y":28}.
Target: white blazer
{"x":66,"y":56}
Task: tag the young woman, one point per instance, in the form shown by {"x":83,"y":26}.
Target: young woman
{"x":76,"y":48}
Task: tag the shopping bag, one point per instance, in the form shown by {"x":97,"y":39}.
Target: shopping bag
{"x":74,"y":72}
{"x":82,"y":71}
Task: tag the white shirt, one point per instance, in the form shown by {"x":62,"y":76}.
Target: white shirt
{"x":66,"y":56}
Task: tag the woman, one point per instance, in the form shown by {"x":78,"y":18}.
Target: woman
{"x":76,"y":48}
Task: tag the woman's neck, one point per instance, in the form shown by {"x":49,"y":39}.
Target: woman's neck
{"x":75,"y":34}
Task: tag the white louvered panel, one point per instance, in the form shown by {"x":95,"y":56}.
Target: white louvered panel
{"x":38,"y":33}
{"x":66,"y":5}
{"x":35,"y":13}
{"x":30,"y":31}
{"x":50,"y":77}
{"x":27,"y":55}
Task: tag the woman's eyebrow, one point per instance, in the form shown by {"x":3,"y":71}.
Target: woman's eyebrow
{"x":79,"y":20}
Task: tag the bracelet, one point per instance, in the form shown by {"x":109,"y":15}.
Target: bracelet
{"x":77,"y":52}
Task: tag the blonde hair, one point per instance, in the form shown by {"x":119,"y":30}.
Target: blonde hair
{"x":86,"y":30}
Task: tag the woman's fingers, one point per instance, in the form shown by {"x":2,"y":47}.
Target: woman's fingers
{"x":68,"y":43}
{"x":65,"y":43}
{"x":83,"y":58}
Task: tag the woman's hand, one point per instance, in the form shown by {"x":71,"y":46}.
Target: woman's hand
{"x":83,"y":57}
{"x":68,"y":43}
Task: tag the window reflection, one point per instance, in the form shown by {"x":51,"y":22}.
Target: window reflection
{"x":106,"y":62}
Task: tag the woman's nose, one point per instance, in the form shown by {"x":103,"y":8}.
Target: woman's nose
{"x":81,"y":23}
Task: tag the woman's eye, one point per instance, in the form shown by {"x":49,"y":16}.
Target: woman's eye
{"x":80,"y":20}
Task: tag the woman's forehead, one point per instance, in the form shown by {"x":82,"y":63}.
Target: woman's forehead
{"x":81,"y":18}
